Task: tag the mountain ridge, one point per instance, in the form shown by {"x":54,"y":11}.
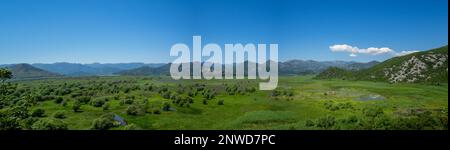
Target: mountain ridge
{"x":429,"y":66}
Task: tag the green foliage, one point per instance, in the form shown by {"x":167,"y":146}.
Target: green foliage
{"x":83,"y":99}
{"x":335,"y":73}
{"x":135,"y":110}
{"x":220,"y":102}
{"x":58,"y":100}
{"x":166,"y":106}
{"x":327,"y":122}
{"x":104,"y":122}
{"x":311,"y":105}
{"x":39,"y":112}
{"x":105,"y":107}
{"x":373,"y":111}
{"x":59,"y":115}
{"x":131,"y":127}
{"x":49,"y":124}
{"x":76,"y":106}
{"x":98,"y":102}
{"x":156,"y":111}
{"x":5,"y":74}
{"x":334,"y":106}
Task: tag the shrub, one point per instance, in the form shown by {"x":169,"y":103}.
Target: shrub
{"x":26,"y":123}
{"x":131,"y":127}
{"x":220,"y":102}
{"x":105,"y":107}
{"x":326,"y":122}
{"x":166,"y":106}
{"x":84,"y":99}
{"x":38,"y":112}
{"x":156,"y":111}
{"x":58,"y":100}
{"x":59,"y":115}
{"x":105,"y":122}
{"x":49,"y":124}
{"x":64,"y":103}
{"x":127,"y":101}
{"x":373,"y":111}
{"x":134,"y":110}
{"x":76,"y":106}
{"x":309,"y":123}
{"x":98,"y":102}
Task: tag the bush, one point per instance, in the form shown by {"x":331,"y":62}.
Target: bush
{"x":220,"y":102}
{"x":26,"y":123}
{"x":127,"y":101}
{"x":131,"y":127}
{"x":64,"y":103}
{"x":327,"y":122}
{"x":59,"y":115}
{"x":58,"y":100}
{"x":38,"y":112}
{"x":84,"y":99}
{"x":166,"y":106}
{"x":76,"y":106}
{"x":156,"y":111}
{"x":104,"y":122}
{"x":105,"y":107}
{"x":98,"y":102}
{"x":134,"y":110}
{"x":49,"y":124}
{"x":373,"y":112}
{"x":309,"y":123}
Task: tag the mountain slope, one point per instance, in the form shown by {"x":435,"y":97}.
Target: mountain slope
{"x":23,"y":71}
{"x":421,"y":67}
{"x":74,"y":69}
{"x":293,"y":67}
{"x":302,"y":67}
{"x":146,"y":71}
{"x":425,"y":66}
{"x":336,"y":73}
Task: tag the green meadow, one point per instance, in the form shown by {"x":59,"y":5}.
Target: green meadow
{"x":160,"y":103}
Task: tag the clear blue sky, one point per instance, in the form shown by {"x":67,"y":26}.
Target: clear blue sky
{"x":108,"y":31}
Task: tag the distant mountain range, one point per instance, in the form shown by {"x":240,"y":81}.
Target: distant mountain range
{"x":26,"y":71}
{"x":302,"y":67}
{"x":95,"y":69}
{"x":426,"y":66}
{"x":421,"y":67}
{"x":293,"y":67}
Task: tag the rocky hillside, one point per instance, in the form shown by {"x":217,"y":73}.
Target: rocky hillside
{"x":426,"y":66}
{"x":422,"y":67}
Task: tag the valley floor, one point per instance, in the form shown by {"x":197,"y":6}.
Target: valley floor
{"x":299,"y":103}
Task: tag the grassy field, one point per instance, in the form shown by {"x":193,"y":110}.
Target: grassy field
{"x":300,"y":102}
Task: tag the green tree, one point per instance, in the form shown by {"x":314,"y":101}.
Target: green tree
{"x":133,"y":110}
{"x":105,"y":122}
{"x":59,"y":115}
{"x":38,"y":112}
{"x":76,"y":106}
{"x":49,"y":124}
{"x":5,"y":74}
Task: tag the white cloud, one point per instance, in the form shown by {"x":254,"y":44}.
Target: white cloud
{"x":354,"y":51}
